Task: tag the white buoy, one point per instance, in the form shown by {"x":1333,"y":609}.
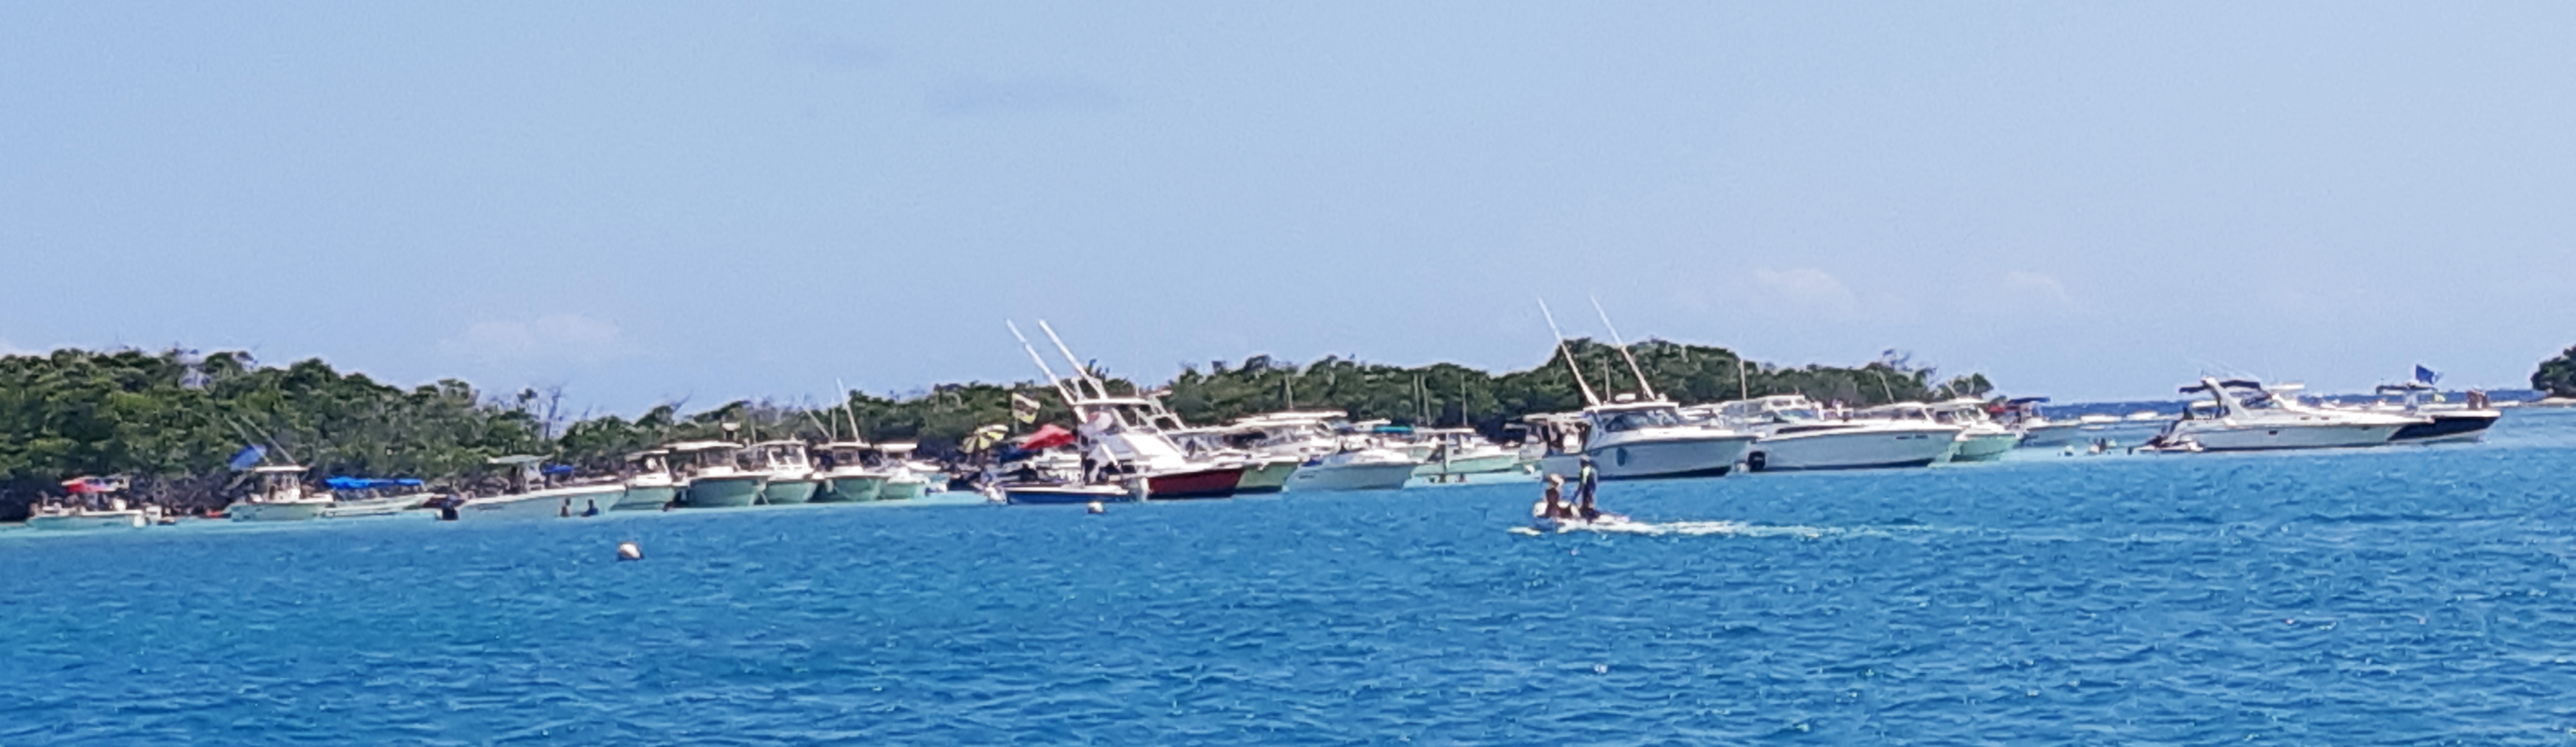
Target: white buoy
{"x":1095,"y":507}
{"x":629,"y":551}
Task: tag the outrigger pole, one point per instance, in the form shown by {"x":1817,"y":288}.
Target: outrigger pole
{"x":1076,"y":363}
{"x":1623,"y":350}
{"x":1060,"y":389}
{"x":1589,"y":399}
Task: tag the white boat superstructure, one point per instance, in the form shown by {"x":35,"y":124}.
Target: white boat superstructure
{"x":2246,"y":416}
{"x":1795,"y":434}
{"x":650,"y":485}
{"x":714,"y":476}
{"x":790,"y":471}
{"x":281,"y":497}
{"x":851,"y":473}
{"x":1635,"y":439}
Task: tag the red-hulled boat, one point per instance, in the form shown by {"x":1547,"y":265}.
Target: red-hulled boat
{"x":1218,"y":482}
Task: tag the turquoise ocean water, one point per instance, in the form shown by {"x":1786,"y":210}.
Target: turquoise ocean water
{"x":2414,"y":595}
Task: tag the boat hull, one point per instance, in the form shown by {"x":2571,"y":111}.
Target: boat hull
{"x":903,"y":488}
{"x":1206,"y":483}
{"x":1265,"y":477}
{"x":724,"y":492}
{"x":1831,"y":450}
{"x":2289,"y":436}
{"x":545,"y":504}
{"x":286,"y":511}
{"x":2447,"y":427}
{"x":647,"y":497}
{"x":1655,"y":460}
{"x":1043,"y":495}
{"x":851,"y":488}
{"x":77,"y":522}
{"x":788,"y":491}
{"x":1470,"y":466}
{"x":1984,"y":447}
{"x":1314,"y":478}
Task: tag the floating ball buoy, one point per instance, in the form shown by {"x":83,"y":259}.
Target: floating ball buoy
{"x":629,"y":551}
{"x":1095,"y":507}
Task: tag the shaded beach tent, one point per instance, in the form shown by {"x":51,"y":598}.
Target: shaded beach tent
{"x":370,"y":483}
{"x":1047,"y":437}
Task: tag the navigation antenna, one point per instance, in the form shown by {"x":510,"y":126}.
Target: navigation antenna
{"x":1623,"y":350}
{"x":1589,"y":399}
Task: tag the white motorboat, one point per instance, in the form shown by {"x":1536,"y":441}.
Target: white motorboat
{"x":1981,"y":439}
{"x":529,"y":498}
{"x":2275,"y":419}
{"x":1794,"y":434}
{"x":1330,"y":453}
{"x":1458,"y":452}
{"x":1633,"y":436}
{"x":791,"y":472}
{"x":93,"y":505}
{"x":903,"y":482}
{"x":2446,"y":422}
{"x":650,"y":486}
{"x":281,"y":497}
{"x":715,"y":477}
{"x":1359,"y":467}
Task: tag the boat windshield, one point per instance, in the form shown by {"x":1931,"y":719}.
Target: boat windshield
{"x":1806,"y":414}
{"x":1635,"y":419}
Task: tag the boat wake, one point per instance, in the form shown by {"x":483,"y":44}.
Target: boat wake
{"x":1682,"y":528}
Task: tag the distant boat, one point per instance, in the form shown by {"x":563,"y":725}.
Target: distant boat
{"x":791,"y":474}
{"x":281,"y":497}
{"x":1795,"y":434}
{"x":847,"y":476}
{"x":2446,"y":422}
{"x":1458,"y":452}
{"x":649,"y":483}
{"x":110,"y":512}
{"x":2276,"y":420}
{"x":1979,"y":439}
{"x":716,"y":478}
{"x":531,"y":498}
{"x":1328,"y":452}
{"x":1633,"y":438}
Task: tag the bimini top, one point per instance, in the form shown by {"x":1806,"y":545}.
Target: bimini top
{"x":845,"y":445}
{"x":277,"y":469}
{"x":1292,"y":417}
{"x":368,"y":483}
{"x":781,"y":442}
{"x":685,"y":446}
{"x":647,"y":453}
{"x":515,"y":459}
{"x":2230,"y":384}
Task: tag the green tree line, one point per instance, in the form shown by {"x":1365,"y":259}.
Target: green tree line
{"x":170,"y":420}
{"x":2557,"y":376}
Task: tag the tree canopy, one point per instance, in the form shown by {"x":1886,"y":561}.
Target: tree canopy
{"x":2557,"y":376}
{"x":170,"y":420}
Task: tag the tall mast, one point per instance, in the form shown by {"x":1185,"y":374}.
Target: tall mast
{"x":1060,"y":389}
{"x":1589,"y":398}
{"x":1623,"y":350}
{"x":1076,"y":363}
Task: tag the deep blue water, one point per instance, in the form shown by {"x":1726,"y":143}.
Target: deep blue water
{"x":2418,"y":595}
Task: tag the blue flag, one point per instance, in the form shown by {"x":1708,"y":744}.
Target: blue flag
{"x":246,"y":458}
{"x":2427,"y":375}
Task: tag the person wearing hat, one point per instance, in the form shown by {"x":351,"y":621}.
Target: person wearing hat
{"x":1552,"y":506}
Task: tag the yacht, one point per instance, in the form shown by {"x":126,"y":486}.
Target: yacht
{"x":530,"y":496}
{"x":650,"y":485}
{"x":791,"y":473}
{"x":281,"y":497}
{"x":2274,"y":420}
{"x":847,"y":475}
{"x":1262,"y":473}
{"x":715,"y":477}
{"x":1794,"y":434}
{"x":2446,"y":422}
{"x":1632,"y":436}
{"x":1125,"y":438}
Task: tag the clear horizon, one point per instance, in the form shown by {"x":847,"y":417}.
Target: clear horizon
{"x":709,"y":202}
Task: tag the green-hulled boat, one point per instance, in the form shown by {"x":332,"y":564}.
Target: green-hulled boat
{"x":846,"y":476}
{"x":649,"y":484}
{"x":791,"y":477}
{"x":715,"y":480}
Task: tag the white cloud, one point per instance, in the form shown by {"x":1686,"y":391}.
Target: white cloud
{"x":556,"y":337}
{"x":2036,"y":285}
{"x":1807,"y":286}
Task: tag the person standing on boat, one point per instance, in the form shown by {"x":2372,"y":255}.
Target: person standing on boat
{"x":1586,"y":480}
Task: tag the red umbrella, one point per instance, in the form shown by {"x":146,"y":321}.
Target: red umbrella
{"x":1048,"y":436}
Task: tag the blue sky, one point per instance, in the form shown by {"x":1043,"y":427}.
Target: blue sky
{"x":650,"y":202}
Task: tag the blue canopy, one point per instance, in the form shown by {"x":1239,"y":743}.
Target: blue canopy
{"x":364,"y":483}
{"x":558,"y":469}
